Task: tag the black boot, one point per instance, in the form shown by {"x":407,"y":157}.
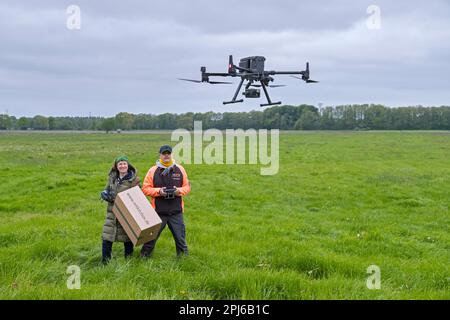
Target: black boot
{"x":128,"y":249}
{"x":106,"y":251}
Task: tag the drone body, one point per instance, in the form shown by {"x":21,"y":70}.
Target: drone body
{"x":251,"y":69}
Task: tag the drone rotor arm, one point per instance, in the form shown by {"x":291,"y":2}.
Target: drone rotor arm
{"x":270,"y":85}
{"x":220,"y":82}
{"x":216,"y":74}
{"x":191,"y":80}
{"x":286,"y":72}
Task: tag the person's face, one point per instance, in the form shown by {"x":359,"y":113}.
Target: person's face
{"x":122,"y":166}
{"x":166,"y":156}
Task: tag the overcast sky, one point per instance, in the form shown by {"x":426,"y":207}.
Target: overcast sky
{"x":127,"y":54}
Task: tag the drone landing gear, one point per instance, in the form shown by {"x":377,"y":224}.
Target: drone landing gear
{"x":235,"y":94}
{"x":269,"y":102}
{"x":233,"y":101}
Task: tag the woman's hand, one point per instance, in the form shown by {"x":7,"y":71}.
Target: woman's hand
{"x":162,"y":193}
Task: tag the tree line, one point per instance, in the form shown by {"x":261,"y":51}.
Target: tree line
{"x":286,"y":117}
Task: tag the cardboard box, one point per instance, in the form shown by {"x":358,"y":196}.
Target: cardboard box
{"x":137,"y":217}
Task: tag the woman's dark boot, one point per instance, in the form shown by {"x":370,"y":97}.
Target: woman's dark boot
{"x":106,"y":251}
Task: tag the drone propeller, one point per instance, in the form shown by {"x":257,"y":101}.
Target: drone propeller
{"x":304,"y":79}
{"x":305,"y":75}
{"x":211,"y":82}
{"x":196,"y":81}
{"x":270,"y":85}
{"x":220,"y":82}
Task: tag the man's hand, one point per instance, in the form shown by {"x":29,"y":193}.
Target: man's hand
{"x":177,"y":191}
{"x":162,"y":193}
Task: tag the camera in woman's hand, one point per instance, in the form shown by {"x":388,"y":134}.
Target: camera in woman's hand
{"x":107,"y":195}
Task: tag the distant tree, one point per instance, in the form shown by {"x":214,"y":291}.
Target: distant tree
{"x":39,"y":123}
{"x":109,"y":124}
{"x":309,"y":120}
{"x":186,"y":121}
{"x":124,"y":120}
{"x":287,"y":117}
{"x":253,"y":119}
{"x":23,"y":123}
{"x":51,"y":123}
{"x":166,"y":121}
{"x":376,"y":117}
{"x":271,"y":118}
{"x":327,"y":121}
{"x":5,"y":122}
{"x":13,"y":122}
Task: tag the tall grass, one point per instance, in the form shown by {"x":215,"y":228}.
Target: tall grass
{"x":341,"y":202}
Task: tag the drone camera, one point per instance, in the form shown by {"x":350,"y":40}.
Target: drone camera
{"x":252,"y":93}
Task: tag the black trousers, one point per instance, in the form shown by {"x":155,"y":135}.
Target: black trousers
{"x":178,"y":229}
{"x":107,"y":249}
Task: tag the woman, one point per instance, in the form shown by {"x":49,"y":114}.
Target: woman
{"x":122,"y":176}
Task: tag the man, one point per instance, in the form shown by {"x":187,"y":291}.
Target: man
{"x":166,"y":183}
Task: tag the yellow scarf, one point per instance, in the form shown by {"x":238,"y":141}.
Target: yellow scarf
{"x":166,"y":164}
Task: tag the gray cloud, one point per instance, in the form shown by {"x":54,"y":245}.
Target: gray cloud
{"x":127,"y":55}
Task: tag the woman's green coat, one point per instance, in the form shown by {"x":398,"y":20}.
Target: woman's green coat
{"x":112,"y":229}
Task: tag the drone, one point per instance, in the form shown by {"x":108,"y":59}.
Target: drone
{"x":251,"y":69}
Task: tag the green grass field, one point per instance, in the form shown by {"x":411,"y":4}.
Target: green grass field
{"x":342,"y":201}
